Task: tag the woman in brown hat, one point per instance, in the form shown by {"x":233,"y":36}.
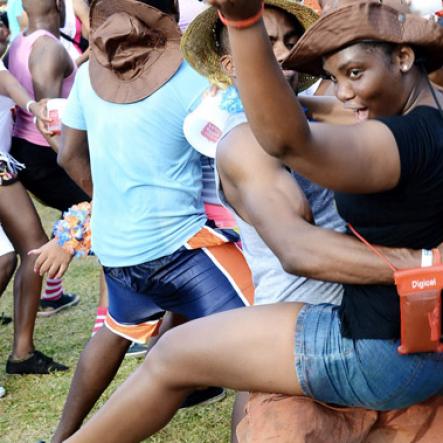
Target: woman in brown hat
{"x":387,"y":170}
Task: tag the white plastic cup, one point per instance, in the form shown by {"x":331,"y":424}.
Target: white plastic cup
{"x":55,"y":108}
{"x":204,"y":127}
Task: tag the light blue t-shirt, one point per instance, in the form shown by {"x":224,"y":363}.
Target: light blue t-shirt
{"x":14,"y":10}
{"x":147,"y":178}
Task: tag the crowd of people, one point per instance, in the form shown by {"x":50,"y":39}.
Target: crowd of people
{"x":257,"y":179}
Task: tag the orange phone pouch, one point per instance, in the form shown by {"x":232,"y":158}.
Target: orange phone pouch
{"x":420,"y":308}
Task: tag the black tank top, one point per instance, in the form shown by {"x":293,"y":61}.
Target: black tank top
{"x":410,"y":215}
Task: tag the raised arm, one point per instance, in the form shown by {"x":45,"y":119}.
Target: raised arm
{"x":336,"y":157}
{"x":302,"y":248}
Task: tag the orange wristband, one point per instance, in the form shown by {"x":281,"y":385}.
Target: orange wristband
{"x":242,"y":24}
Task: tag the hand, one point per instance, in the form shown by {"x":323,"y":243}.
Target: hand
{"x":38,"y":109}
{"x":42,"y":126}
{"x":51,"y":259}
{"x":237,"y":9}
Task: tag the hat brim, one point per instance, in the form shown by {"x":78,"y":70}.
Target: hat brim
{"x":365,"y":21}
{"x":199,"y":46}
{"x":163,"y":63}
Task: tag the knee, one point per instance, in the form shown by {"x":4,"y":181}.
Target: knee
{"x":167,"y":359}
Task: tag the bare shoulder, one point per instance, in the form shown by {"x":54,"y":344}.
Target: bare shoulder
{"x":338,"y":156}
{"x":239,"y":156}
{"x":50,"y":51}
{"x":47,"y":44}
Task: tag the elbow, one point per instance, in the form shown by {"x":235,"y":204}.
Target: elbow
{"x":63,"y":158}
{"x":284,"y":148}
{"x":300,"y":263}
{"x":277,"y":149}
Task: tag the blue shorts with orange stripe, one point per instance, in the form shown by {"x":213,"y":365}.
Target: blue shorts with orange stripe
{"x":207,"y":275}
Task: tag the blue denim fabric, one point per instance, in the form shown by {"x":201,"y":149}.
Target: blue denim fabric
{"x":186,"y":282}
{"x":360,"y":373}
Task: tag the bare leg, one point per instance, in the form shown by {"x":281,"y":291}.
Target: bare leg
{"x":8,"y":263}
{"x":98,"y":364}
{"x":23,"y":227}
{"x":250,"y":349}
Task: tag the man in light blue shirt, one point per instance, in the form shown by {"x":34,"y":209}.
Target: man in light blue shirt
{"x":151,"y":177}
{"x":123,"y":132}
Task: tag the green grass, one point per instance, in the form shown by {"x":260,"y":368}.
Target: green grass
{"x":31,"y":409}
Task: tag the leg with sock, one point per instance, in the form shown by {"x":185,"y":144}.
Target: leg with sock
{"x":26,"y":233}
{"x":54,"y":299}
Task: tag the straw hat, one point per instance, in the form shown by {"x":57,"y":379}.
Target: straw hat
{"x":135,"y":49}
{"x":366,"y":20}
{"x":199,"y":42}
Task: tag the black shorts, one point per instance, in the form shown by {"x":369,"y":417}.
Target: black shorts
{"x":44,"y":177}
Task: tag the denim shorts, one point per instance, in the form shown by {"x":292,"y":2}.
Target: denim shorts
{"x":365,"y":373}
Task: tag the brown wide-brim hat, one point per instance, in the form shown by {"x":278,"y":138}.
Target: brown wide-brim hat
{"x":199,"y":45}
{"x":135,"y":49}
{"x":367,"y":20}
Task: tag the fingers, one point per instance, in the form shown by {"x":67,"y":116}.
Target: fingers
{"x":41,"y":112}
{"x":44,"y":130}
{"x":42,"y":126}
{"x":35,"y":251}
{"x":43,"y":268}
{"x":49,"y":262}
{"x":41,"y":258}
{"x":53,"y":270}
{"x":61,"y":271}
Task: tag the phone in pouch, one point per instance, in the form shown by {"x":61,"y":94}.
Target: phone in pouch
{"x":420,"y":309}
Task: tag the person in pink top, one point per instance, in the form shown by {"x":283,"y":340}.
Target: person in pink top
{"x":20,"y":231}
{"x":44,"y":68}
